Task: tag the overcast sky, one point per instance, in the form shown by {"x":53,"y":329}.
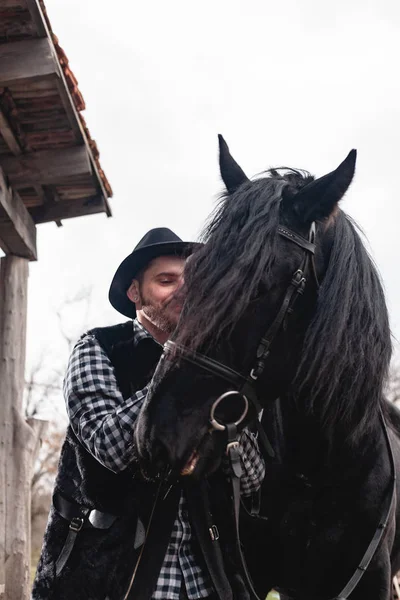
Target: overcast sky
{"x":299,"y":83}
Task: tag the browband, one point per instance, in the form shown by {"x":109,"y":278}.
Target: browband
{"x":298,"y":239}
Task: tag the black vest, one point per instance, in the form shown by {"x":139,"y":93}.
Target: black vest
{"x":83,"y":478}
{"x":102,"y":561}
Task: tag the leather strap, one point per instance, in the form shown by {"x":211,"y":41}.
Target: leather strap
{"x":296,"y":285}
{"x":158,"y":533}
{"x":76,"y":515}
{"x":380,"y":530}
{"x":297,"y":239}
{"x":79,"y":517}
{"x":208,"y":364}
{"x":71,"y":510}
{"x":208,"y":538}
{"x":236,"y":473}
{"x":74,"y":528}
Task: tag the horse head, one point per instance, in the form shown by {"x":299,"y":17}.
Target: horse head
{"x":240,"y":288}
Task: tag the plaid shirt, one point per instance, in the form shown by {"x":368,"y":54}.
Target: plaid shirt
{"x":103,"y":421}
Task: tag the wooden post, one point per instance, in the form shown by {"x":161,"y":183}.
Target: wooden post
{"x":17,"y":439}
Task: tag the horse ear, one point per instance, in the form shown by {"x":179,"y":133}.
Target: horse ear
{"x":232,"y":175}
{"x":318,"y":199}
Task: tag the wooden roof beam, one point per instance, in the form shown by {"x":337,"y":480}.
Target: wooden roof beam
{"x":67,"y":210}
{"x":36,"y":15}
{"x":32,"y":60}
{"x":17,"y":229}
{"x":27,"y":61}
{"x":50,"y":196}
{"x":47,"y":167}
{"x":8,"y":135}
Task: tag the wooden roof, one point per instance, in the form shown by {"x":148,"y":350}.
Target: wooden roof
{"x":47,"y":154}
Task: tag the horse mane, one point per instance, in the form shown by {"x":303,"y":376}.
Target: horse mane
{"x":347,"y":348}
{"x":239,"y":238}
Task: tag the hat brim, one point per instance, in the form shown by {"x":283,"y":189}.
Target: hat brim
{"x":134,"y":263}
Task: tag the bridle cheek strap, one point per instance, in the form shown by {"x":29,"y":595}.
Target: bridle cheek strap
{"x":295,"y":288}
{"x":293,"y":292}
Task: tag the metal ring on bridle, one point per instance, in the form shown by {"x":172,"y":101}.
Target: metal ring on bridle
{"x":220,"y":426}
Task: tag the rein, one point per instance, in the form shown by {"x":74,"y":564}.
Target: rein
{"x":245,"y":390}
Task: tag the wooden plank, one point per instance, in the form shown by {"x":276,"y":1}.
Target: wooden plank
{"x":39,"y":88}
{"x":75,"y":121}
{"x":67,"y":209}
{"x":40,"y":193}
{"x":76,"y":191}
{"x":27,"y":61}
{"x":13,"y":4}
{"x":51,"y":196}
{"x":47,"y":167}
{"x":15,"y":29}
{"x":37,"y":17}
{"x":40,"y":140}
{"x":69,"y":107}
{"x":17,"y":229}
{"x":25,"y":103}
{"x":8,"y":135}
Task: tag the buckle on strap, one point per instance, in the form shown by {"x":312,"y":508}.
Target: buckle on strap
{"x":214,"y":533}
{"x":232,"y":451}
{"x":76,"y":524}
{"x":232,"y":446}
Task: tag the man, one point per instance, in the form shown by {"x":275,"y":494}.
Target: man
{"x":102,"y":504}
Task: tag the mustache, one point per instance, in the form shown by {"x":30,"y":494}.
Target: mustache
{"x":177,"y":299}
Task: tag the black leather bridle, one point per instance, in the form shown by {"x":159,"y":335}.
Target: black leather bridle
{"x":246,"y":391}
{"x":245,"y":385}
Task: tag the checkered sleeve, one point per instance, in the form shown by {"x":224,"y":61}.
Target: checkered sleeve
{"x":253,"y":464}
{"x":101,"y":419}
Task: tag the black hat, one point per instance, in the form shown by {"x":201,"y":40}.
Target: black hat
{"x":157,"y":242}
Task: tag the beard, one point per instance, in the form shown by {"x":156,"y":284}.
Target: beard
{"x":161,"y":316}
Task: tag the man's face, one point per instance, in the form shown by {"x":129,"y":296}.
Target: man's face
{"x":160,"y":293}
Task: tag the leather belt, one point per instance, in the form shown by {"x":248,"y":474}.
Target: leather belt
{"x":79,"y":517}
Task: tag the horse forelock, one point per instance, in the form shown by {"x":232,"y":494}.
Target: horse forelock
{"x":225,"y":275}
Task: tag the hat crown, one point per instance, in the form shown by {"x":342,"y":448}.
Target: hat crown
{"x":159,"y":235}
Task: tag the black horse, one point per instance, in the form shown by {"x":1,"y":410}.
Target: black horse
{"x":285,"y":290}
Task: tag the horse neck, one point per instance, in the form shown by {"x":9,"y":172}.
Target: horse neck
{"x":306,"y":445}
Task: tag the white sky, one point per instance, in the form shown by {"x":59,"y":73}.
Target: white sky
{"x":299,"y":83}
